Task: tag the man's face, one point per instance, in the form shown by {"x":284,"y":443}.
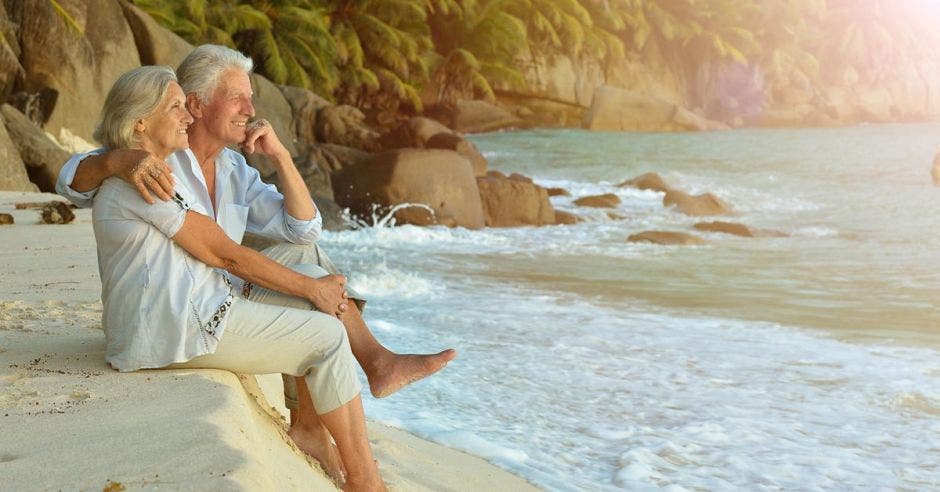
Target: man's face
{"x":229,"y":108}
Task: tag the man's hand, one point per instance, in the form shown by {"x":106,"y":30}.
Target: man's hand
{"x":260,"y":137}
{"x":141,"y":169}
{"x":329,"y":296}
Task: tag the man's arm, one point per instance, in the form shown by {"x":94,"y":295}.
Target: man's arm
{"x":204,"y":239}
{"x":137,"y":167}
{"x":297,"y":200}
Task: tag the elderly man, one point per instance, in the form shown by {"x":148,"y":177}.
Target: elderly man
{"x":218,"y":95}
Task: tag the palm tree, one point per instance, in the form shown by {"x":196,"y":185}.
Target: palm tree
{"x":475,"y":44}
{"x":380,"y":45}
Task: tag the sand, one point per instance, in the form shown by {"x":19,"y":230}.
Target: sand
{"x":70,"y":423}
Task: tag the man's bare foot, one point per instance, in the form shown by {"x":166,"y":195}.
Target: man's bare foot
{"x":319,"y":446}
{"x":400,"y":370}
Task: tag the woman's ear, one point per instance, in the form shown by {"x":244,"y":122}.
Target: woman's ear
{"x":194,"y":105}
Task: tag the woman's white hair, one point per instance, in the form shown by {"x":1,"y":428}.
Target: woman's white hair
{"x":134,"y":96}
{"x":199,"y":72}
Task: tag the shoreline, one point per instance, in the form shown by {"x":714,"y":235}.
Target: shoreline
{"x":72,"y":423}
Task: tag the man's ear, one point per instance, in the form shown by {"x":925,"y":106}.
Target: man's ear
{"x":140,"y":126}
{"x":194,"y":105}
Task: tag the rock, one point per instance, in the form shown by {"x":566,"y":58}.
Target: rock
{"x":345,"y":125}
{"x":935,"y":170}
{"x":304,"y":105}
{"x":665,"y":238}
{"x":558,"y":192}
{"x":566,"y":218}
{"x":333,"y":219}
{"x":156,"y":45}
{"x":464,"y":147}
{"x":43,"y":158}
{"x":441,"y":180}
{"x":314,"y":168}
{"x":607,"y":200}
{"x":72,"y":71}
{"x":614,"y":216}
{"x":647,"y":181}
{"x":6,"y":219}
{"x":782,"y":117}
{"x":725,"y":227}
{"x":560,"y":77}
{"x":415,"y":132}
{"x":704,"y":204}
{"x":689,"y":120}
{"x":544,"y":113}
{"x":511,"y":202}
{"x":13,"y":176}
{"x":57,"y":213}
{"x":340,"y":157}
{"x":271,"y":105}
{"x":480,"y":116}
{"x":617,"y":109}
{"x":876,"y":105}
{"x":10,"y":67}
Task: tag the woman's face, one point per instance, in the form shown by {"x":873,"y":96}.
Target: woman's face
{"x":164,"y":131}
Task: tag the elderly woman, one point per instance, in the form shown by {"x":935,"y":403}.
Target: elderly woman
{"x":167,"y":294}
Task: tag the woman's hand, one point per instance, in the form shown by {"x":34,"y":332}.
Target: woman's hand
{"x":329,"y":296}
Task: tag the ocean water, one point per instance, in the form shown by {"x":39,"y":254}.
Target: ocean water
{"x":803,"y":362}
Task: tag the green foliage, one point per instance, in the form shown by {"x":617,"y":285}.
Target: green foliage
{"x":385,"y":53}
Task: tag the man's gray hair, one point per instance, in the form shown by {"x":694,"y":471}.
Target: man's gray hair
{"x":134,"y":96}
{"x":199,"y":72}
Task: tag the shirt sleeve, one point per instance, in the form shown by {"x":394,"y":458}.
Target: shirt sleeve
{"x":63,"y":185}
{"x":121,"y":200}
{"x":267,"y":215}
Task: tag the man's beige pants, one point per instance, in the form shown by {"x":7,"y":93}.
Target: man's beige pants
{"x":276,"y":333}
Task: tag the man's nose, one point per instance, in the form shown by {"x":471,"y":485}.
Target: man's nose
{"x":249,"y":108}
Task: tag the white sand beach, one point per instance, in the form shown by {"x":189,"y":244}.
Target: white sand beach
{"x":71,"y":423}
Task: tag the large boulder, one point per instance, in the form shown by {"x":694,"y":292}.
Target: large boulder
{"x":615,"y":109}
{"x":10,"y":66}
{"x":464,"y":147}
{"x":476,"y":117}
{"x":665,"y":238}
{"x":43,"y":158}
{"x":413,"y":132}
{"x":509,"y":202}
{"x":156,"y":45}
{"x":13,"y":175}
{"x":305,"y":105}
{"x":647,"y":181}
{"x":314,"y":168}
{"x":696,"y":205}
{"x":439,"y":180}
{"x":71,"y":70}
{"x":345,"y":125}
{"x":271,"y":105}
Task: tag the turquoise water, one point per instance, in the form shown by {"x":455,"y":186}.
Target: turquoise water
{"x":590,"y":363}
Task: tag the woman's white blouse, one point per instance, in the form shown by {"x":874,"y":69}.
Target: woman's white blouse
{"x":161,"y":304}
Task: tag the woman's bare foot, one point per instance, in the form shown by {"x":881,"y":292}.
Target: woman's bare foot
{"x":396,"y":371}
{"x":318,"y":444}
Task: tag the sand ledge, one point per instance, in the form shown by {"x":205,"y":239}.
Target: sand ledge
{"x":71,"y":423}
